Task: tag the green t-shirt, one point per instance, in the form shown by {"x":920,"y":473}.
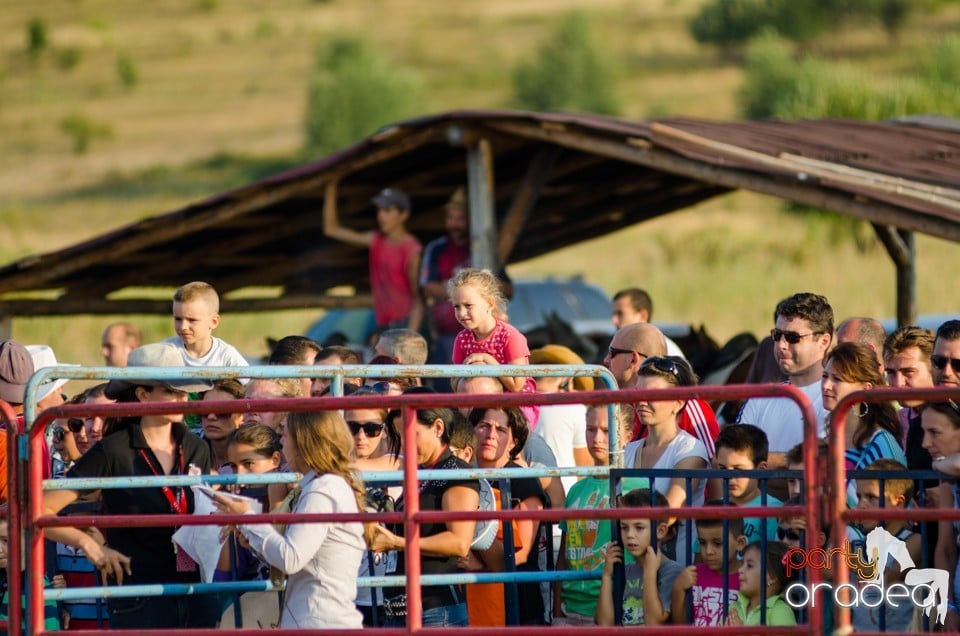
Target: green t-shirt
{"x":779,"y":614}
{"x":586,"y":540}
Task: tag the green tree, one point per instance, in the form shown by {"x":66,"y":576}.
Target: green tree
{"x":352,"y":93}
{"x":36,"y":37}
{"x":568,"y":73}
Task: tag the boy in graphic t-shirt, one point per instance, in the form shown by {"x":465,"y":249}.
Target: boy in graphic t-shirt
{"x":703,"y":583}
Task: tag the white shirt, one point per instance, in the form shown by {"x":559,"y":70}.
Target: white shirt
{"x":781,"y":418}
{"x":221,"y":354}
{"x":682,"y":446}
{"x":321,"y":560}
{"x":673,"y":349}
{"x":563,"y":427}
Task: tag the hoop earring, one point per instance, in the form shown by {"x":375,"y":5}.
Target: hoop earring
{"x":864,"y":409}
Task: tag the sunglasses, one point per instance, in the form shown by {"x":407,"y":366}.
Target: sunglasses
{"x":792,"y":337}
{"x":613,"y":352}
{"x":663,"y":365}
{"x":220,"y":416}
{"x":75,"y":424}
{"x":377,"y":388}
{"x":788,"y":533}
{"x":940,"y":362}
{"x":370,"y":429}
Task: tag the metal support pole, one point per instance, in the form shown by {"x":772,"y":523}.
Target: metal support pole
{"x":901,"y":247}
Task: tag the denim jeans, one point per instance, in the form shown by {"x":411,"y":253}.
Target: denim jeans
{"x":444,"y":616}
{"x":199,"y":610}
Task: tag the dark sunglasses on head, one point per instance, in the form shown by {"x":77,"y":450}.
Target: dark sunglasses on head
{"x":370,"y":429}
{"x":940,"y":362}
{"x":661,"y":364}
{"x":792,"y":337}
{"x":788,"y":533}
{"x":75,"y":424}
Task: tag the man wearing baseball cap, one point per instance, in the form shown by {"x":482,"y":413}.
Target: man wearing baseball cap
{"x":394,"y":256}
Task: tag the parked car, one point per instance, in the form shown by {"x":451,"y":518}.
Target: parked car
{"x":583,"y":306}
{"x":927,"y":321}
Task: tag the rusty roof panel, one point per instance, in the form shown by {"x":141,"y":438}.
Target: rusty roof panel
{"x":608,"y":173}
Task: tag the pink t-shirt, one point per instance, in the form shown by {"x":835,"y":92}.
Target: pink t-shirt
{"x":505,"y":343}
{"x":389,"y":278}
{"x":707,"y":595}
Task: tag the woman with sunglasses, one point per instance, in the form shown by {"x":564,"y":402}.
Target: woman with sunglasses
{"x":69,"y":443}
{"x":217,"y":427}
{"x":872,"y":431}
{"x":377,"y":447}
{"x":441,"y":544}
{"x":666,"y":445}
{"x":501,"y":435}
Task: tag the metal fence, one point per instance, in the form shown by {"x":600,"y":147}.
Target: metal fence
{"x":24,"y":464}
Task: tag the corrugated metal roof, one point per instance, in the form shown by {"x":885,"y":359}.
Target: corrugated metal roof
{"x":606,"y":174}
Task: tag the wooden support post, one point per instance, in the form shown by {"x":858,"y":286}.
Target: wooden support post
{"x":901,"y":247}
{"x":483,"y":221}
{"x":524,"y":200}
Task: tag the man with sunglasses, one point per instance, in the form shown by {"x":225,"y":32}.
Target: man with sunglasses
{"x":801,"y":336}
{"x":946,"y":355}
{"x":629,"y":348}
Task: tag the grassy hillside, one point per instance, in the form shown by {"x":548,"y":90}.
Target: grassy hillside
{"x":214,"y":96}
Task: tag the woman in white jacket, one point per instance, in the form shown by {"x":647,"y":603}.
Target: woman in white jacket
{"x":320,"y":559}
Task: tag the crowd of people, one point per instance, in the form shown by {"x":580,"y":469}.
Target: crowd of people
{"x":705,"y":573}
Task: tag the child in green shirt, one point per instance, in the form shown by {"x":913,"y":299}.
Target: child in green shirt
{"x":746,"y":609}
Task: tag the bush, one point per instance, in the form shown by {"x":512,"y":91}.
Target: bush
{"x":942,"y":66}
{"x":770,"y":77}
{"x":68,"y":58}
{"x":36,"y":37}
{"x":569,"y":72}
{"x":127,"y":71}
{"x":775,"y":85}
{"x":84,"y":130}
{"x":352,"y":93}
{"x":727,"y":22}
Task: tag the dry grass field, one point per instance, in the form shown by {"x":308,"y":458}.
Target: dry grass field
{"x":219,"y":94}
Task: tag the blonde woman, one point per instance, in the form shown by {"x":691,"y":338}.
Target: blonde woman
{"x":320,"y":559}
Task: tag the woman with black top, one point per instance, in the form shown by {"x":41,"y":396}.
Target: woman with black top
{"x":441,"y":544}
{"x":142,"y":447}
{"x":501,"y":435}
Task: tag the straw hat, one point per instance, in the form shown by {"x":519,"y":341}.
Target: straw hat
{"x":558,"y":354}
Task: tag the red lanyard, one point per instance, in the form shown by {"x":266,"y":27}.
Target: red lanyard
{"x":178,"y":504}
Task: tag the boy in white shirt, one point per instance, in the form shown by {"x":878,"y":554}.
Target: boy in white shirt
{"x":196,"y":313}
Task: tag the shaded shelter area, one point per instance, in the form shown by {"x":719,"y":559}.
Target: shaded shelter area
{"x":537,"y":182}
